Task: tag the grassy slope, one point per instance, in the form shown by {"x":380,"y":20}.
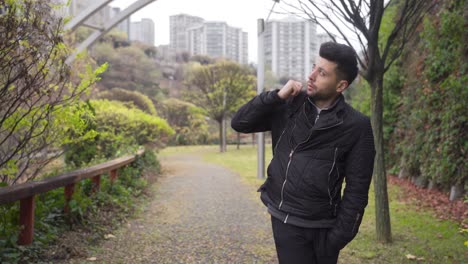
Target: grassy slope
{"x":415,"y":232}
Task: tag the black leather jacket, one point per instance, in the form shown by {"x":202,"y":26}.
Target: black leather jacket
{"x":312,"y":155}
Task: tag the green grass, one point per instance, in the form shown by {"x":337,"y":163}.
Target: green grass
{"x":415,"y":232}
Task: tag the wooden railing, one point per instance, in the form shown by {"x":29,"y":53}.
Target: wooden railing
{"x":26,"y":192}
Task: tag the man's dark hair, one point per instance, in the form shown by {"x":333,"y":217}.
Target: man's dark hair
{"x":345,"y":58}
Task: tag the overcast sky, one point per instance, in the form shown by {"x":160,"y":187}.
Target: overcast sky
{"x":237,"y":13}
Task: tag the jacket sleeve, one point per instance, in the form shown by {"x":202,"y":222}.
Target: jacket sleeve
{"x":359,"y":164}
{"x":256,"y":115}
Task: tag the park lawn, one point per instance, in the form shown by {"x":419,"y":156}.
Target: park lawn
{"x":416,"y":232}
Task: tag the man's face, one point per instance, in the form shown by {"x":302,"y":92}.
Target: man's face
{"x":323,"y":82}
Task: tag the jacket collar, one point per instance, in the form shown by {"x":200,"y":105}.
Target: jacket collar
{"x":331,"y":116}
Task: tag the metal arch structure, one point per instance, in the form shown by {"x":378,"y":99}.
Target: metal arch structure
{"x":107,"y":26}
{"x":85,"y":14}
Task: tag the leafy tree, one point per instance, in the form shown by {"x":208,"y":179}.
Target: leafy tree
{"x":220,"y":89}
{"x":39,"y":105}
{"x":364,"y":19}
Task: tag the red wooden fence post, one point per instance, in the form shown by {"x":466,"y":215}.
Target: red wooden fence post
{"x":26,"y":221}
{"x":113,"y":175}
{"x":96,"y":183}
{"x":69,"y":190}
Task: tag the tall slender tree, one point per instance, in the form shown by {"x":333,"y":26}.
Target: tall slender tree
{"x":359,"y":21}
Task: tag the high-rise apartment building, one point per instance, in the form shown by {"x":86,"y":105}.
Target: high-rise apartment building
{"x":212,"y":38}
{"x":178,"y":39}
{"x":142,"y":31}
{"x":218,"y":40}
{"x":290,"y":47}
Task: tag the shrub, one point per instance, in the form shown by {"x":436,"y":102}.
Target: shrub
{"x":121,"y":127}
{"x":138,"y":99}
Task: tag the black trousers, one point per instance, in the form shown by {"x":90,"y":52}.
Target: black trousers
{"x":297,"y":245}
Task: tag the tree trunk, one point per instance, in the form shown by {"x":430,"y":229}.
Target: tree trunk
{"x":224,"y":135}
{"x":238,"y":140}
{"x":221,"y":135}
{"x":382,"y":212}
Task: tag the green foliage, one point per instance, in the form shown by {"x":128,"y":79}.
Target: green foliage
{"x":138,"y":99}
{"x":188,"y":121}
{"x":360,"y":97}
{"x":117,"y":128}
{"x":81,"y":152}
{"x":85,"y":206}
{"x":434,"y":142}
{"x":121,"y":127}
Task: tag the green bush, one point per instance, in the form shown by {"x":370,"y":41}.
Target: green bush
{"x":78,"y":153}
{"x":120,"y":129}
{"x":121,"y":126}
{"x":138,"y":99}
{"x":433,"y":141}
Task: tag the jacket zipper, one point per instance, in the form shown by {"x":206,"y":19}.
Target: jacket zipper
{"x":329,"y":174}
{"x":292,"y":152}
{"x":355,"y":222}
{"x":287,"y":169}
{"x":317,"y":118}
{"x":279,"y":140}
{"x":286,"y":219}
{"x":286,"y":177}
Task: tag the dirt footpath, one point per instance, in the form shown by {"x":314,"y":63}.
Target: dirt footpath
{"x":200,"y":213}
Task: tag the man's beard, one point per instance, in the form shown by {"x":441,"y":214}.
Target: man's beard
{"x":322,"y":97}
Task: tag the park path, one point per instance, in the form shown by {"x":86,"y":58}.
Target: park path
{"x":200,"y":213}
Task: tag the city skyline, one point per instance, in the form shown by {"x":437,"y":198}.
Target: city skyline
{"x":234,"y":13}
{"x":292,"y":56}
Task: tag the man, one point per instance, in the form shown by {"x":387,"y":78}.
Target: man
{"x":318,"y":142}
